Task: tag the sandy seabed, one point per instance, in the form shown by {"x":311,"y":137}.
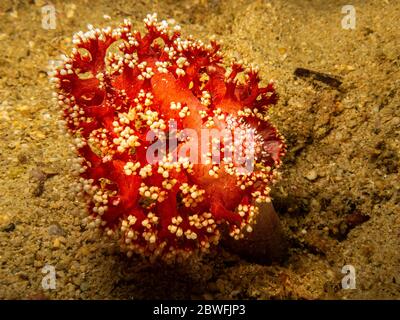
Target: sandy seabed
{"x":338,"y":198}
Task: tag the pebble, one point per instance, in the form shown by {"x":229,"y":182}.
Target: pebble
{"x":71,"y":10}
{"x":56,"y":230}
{"x":315,"y":204}
{"x":14,"y":14}
{"x":311,"y":175}
{"x":40,"y":3}
{"x":4,"y":220}
{"x":37,"y":135}
{"x":84,"y":286}
{"x":56,"y":243}
{"x":37,"y":174}
{"x":235,"y":293}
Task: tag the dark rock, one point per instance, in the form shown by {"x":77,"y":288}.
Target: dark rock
{"x":9,"y":228}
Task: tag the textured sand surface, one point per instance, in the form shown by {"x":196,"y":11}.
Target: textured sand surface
{"x":339,"y":197}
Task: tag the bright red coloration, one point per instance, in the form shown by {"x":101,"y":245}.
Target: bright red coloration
{"x":112,"y":100}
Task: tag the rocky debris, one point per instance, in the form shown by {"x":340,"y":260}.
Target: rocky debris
{"x":342,"y":229}
{"x":9,"y":227}
{"x":311,"y":175}
{"x":56,"y":230}
{"x":39,"y":177}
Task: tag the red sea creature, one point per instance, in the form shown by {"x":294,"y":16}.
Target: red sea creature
{"x":112,"y":99}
